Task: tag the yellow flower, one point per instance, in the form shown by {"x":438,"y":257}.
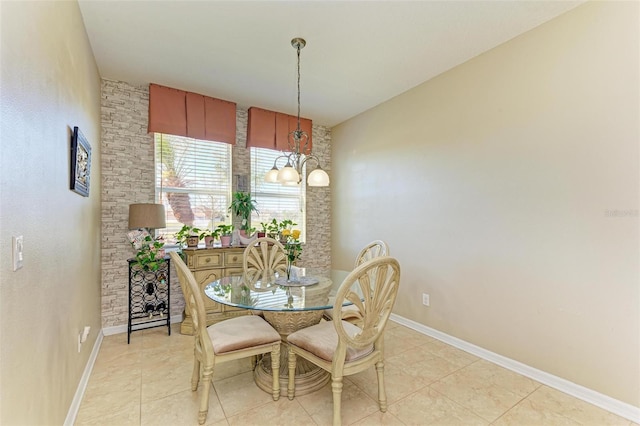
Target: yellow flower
{"x":286,"y":232}
{"x":295,"y":234}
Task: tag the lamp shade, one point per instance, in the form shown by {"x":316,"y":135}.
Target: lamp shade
{"x":318,"y":177}
{"x":288,"y":174}
{"x":272,"y":175}
{"x":147,"y":215}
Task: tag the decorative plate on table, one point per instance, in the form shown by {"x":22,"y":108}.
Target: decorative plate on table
{"x":300,"y":282}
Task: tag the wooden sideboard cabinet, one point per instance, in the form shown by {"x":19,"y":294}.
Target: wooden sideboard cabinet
{"x":210,"y":264}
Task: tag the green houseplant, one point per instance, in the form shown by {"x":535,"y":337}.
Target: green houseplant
{"x":188,"y":235}
{"x":225,"y":234}
{"x":150,"y":255}
{"x":242,"y":205}
{"x":273,"y":228}
{"x":209,"y":236}
{"x":264,"y":226}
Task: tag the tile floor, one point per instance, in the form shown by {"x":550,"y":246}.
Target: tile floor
{"x":427,"y":381}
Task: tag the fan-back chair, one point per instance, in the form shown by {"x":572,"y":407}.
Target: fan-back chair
{"x":265,"y":254}
{"x":372,"y":250}
{"x":342,"y":348}
{"x":235,"y":338}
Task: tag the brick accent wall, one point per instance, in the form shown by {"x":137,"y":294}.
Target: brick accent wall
{"x":317,"y":250}
{"x":128,"y":177}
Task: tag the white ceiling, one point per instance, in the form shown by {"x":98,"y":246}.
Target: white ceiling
{"x":358,"y":53}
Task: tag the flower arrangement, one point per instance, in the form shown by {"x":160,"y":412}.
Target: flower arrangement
{"x":293,"y":248}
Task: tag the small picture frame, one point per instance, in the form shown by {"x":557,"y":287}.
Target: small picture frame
{"x":80,"y":163}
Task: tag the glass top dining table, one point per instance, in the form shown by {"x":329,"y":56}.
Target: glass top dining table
{"x":266,"y":290}
{"x":288,"y":305}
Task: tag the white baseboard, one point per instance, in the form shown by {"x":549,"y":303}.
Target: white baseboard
{"x":117,"y":329}
{"x":605,"y":402}
{"x":82,"y":386}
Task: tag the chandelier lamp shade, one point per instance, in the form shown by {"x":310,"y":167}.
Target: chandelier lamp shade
{"x":299,"y":149}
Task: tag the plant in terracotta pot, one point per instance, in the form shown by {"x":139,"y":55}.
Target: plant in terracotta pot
{"x":241,"y":206}
{"x":264,"y":226}
{"x":225,"y":234}
{"x":209,"y":236}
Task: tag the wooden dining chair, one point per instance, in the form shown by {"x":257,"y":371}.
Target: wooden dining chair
{"x":265,"y":254}
{"x":372,"y":250}
{"x":235,"y":338}
{"x":342,"y":348}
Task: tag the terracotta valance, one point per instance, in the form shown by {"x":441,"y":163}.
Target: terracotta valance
{"x":270,"y":129}
{"x":181,"y":113}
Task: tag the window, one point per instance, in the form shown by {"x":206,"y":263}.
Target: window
{"x":194,"y":180}
{"x":274,"y":200}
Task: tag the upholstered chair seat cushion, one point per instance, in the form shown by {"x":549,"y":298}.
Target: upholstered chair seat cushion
{"x":322,"y":340}
{"x":241,"y":333}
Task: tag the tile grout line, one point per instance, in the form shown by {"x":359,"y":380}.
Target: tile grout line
{"x":518,"y":403}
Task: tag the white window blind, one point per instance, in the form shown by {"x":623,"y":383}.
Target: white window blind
{"x":193,"y":178}
{"x":274,"y":200}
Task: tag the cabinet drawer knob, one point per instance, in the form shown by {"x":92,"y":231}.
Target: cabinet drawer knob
{"x":208,"y":260}
{"x":235,"y":258}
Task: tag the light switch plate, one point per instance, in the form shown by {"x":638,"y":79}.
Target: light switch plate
{"x":16,"y":243}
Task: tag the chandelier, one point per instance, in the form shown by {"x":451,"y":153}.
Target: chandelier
{"x":298,"y":142}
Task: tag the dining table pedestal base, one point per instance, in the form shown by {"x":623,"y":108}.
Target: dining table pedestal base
{"x":309,"y":377}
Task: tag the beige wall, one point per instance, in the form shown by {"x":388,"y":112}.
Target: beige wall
{"x":508,"y":189}
{"x":50,"y":83}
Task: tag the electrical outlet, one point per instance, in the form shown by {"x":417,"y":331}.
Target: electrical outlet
{"x":425,"y":299}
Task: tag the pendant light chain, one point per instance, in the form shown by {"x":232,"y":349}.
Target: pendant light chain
{"x":161,"y":165}
{"x":291,"y":173}
{"x":298,"y":49}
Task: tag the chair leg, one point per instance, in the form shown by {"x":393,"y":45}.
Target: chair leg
{"x":336,"y":387}
{"x":275,"y":370}
{"x":207,"y":382}
{"x":291,"y":386}
{"x":382,"y":395}
{"x":195,"y":376}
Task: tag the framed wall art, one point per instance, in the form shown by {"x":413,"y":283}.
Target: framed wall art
{"x":80,"y":163}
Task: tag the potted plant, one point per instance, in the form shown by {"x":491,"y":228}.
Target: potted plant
{"x":241,"y":206}
{"x":225,"y":234}
{"x":263,"y":229}
{"x":209,"y":236}
{"x":188,"y":235}
{"x":273,"y":229}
